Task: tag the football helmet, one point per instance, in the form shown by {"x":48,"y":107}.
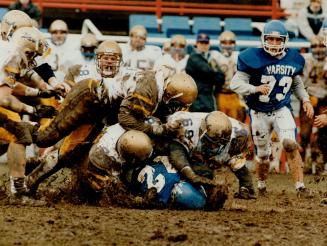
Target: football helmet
{"x":138,"y":35}
{"x":227,"y":43}
{"x":13,"y":20}
{"x":88,"y":45}
{"x":274,"y":29}
{"x":134,"y":146}
{"x":215,"y":132}
{"x":178,"y":45}
{"x":108,"y":58}
{"x":180,"y":92}
{"x":58,"y":30}
{"x":30,"y":43}
{"x":324,"y":29}
{"x":318,"y":48}
{"x":186,"y":196}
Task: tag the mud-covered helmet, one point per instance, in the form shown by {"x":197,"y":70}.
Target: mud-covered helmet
{"x":181,"y":91}
{"x":12,"y":21}
{"x":108,"y":58}
{"x":216,"y":130}
{"x":134,"y":145}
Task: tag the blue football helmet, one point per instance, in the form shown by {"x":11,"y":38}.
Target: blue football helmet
{"x":324,"y":28}
{"x":274,"y":28}
{"x":186,"y":196}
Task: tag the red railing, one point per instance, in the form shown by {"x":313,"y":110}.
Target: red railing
{"x":160,"y":7}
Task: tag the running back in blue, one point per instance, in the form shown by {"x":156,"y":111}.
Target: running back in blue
{"x":277,"y":73}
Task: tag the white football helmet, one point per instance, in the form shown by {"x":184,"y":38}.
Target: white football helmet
{"x":12,"y":21}
{"x":58,"y":30}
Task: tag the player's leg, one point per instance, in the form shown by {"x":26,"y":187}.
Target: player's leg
{"x":261,"y":135}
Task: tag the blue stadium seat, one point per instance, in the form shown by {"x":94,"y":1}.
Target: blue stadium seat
{"x":2,"y":12}
{"x":148,"y":21}
{"x":240,"y":26}
{"x":208,"y":25}
{"x":172,"y":25}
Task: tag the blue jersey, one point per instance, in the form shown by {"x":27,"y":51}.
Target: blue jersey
{"x":160,"y":176}
{"x":277,"y":73}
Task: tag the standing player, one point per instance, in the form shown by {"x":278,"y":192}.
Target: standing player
{"x":138,"y":55}
{"x":228,"y":101}
{"x":177,"y":57}
{"x":314,"y":77}
{"x":266,"y":77}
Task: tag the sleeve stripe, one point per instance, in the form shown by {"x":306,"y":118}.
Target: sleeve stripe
{"x":143,"y":98}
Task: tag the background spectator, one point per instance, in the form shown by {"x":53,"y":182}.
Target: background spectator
{"x":204,"y":75}
{"x":28,"y":7}
{"x":310,"y":19}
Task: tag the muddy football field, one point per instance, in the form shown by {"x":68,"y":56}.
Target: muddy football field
{"x":278,"y":219}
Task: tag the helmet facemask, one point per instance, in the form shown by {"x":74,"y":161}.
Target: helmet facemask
{"x":318,"y":48}
{"x":277,"y":48}
{"x":227,"y":47}
{"x":88,"y":52}
{"x":215,"y":136}
{"x":108,"y":64}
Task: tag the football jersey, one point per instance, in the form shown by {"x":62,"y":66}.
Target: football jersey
{"x":315,"y":76}
{"x":143,"y":59}
{"x":161,"y":176}
{"x":277,"y":73}
{"x":226,"y":64}
{"x":62,"y":57}
{"x":85,"y":72}
{"x":187,"y":125}
{"x":168,"y":61}
{"x":108,"y":142}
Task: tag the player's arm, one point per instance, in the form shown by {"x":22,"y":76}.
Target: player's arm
{"x":240,"y":83}
{"x":178,"y":157}
{"x":300,"y":92}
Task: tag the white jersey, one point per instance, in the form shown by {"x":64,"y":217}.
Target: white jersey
{"x":122,"y":85}
{"x":187,"y":126}
{"x":315,"y":75}
{"x":168,"y":61}
{"x":85,"y":72}
{"x":62,"y":57}
{"x":11,"y":64}
{"x":108,"y":142}
{"x":143,"y":59}
{"x":228,"y":65}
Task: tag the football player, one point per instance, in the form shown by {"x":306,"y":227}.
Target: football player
{"x":138,"y":55}
{"x":266,"y":77}
{"x":176,"y":58}
{"x":228,"y":101}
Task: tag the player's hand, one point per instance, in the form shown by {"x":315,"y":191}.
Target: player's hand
{"x":308,"y":109}
{"x":263,"y":89}
{"x":320,"y":121}
{"x":63,"y":88}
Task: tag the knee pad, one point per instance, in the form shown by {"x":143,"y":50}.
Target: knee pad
{"x":289,"y":145}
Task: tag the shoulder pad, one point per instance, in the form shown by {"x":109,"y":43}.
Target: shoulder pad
{"x":255,"y":58}
{"x":295,"y":56}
